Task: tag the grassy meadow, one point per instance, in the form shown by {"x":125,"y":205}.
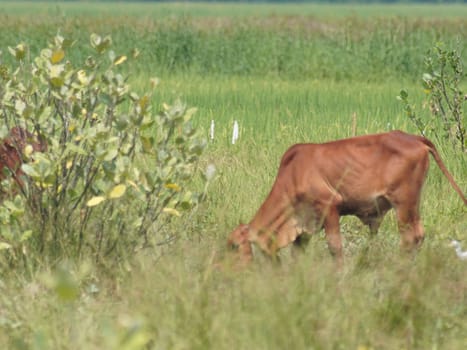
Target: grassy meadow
{"x":287,"y":74}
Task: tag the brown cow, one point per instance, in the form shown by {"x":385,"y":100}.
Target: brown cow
{"x":11,"y":152}
{"x":363,"y":176}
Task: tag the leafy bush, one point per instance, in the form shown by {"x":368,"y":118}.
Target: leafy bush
{"x":442,"y":83}
{"x":114,"y":171}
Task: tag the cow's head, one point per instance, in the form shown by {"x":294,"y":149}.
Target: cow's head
{"x":239,"y":242}
{"x":18,"y":138}
{"x":14,"y":150}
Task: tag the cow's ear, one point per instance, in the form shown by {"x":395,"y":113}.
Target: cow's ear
{"x":9,"y":142}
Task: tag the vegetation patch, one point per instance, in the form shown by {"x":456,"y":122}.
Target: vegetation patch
{"x":116,"y":238}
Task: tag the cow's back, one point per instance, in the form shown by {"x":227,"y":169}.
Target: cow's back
{"x":360,"y":167}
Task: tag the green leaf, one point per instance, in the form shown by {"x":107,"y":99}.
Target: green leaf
{"x":19,"y":52}
{"x":82,"y":77}
{"x":171,"y":211}
{"x":67,"y":43}
{"x":143,"y":103}
{"x":111,"y":55}
{"x":30,"y":171}
{"x":71,"y":148}
{"x":16,"y":209}
{"x":100,"y":44}
{"x":117,"y":191}
{"x":56,"y":75}
{"x":12,"y":51}
{"x":119,"y":60}
{"x":19,"y":107}
{"x":122,"y":122}
{"x":4,"y":246}
{"x":95,"y":201}
{"x":90,"y":62}
{"x":189,"y":113}
{"x":26,"y":235}
{"x":95,"y":40}
{"x":173,"y":186}
{"x":111,"y":154}
{"x":147,"y":143}
{"x":57,"y":56}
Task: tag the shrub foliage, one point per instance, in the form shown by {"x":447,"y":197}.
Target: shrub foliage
{"x":442,"y":83}
{"x":114,"y":171}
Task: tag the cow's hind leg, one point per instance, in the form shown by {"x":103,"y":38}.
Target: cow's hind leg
{"x":410,"y":226}
{"x":406,"y":201}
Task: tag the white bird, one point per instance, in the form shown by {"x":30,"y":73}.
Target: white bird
{"x":235,"y":132}
{"x":457,"y":246}
{"x":211,"y":130}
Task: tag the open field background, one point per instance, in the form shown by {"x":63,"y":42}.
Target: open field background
{"x":200,"y":9}
{"x":290,"y":73}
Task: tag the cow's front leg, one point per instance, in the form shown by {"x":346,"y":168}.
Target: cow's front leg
{"x":333,"y":236}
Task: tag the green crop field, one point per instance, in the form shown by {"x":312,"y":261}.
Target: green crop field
{"x":287,"y":73}
{"x":200,"y":9}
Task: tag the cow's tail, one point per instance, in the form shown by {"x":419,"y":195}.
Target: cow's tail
{"x":436,"y":156}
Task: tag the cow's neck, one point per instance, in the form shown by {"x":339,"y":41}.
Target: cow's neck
{"x":272,"y":215}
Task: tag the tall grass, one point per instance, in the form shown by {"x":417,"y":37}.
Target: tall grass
{"x":268,"y":107}
{"x":201,"y":9}
{"x":379,"y":301}
{"x":300,"y":47}
{"x":290,"y":47}
{"x":286,"y":79}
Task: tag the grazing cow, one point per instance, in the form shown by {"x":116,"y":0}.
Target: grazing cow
{"x":363,"y":176}
{"x":11,"y":152}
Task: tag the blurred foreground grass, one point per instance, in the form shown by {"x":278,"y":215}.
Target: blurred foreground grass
{"x":302,"y":83}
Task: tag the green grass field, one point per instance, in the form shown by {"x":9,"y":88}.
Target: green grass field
{"x":200,"y":9}
{"x":288,"y":85}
